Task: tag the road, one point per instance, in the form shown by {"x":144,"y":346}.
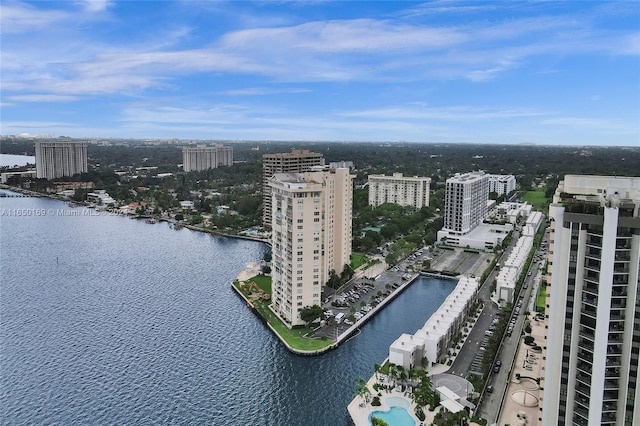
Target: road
{"x":490,"y":404}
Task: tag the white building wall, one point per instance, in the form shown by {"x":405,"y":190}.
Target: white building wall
{"x":592,"y":356}
{"x":206,"y":157}
{"x":399,"y":189}
{"x":465,"y":202}
{"x":433,"y":339}
{"x":501,"y":184}
{"x":60,"y":159}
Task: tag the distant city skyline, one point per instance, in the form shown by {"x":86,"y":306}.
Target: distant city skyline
{"x":546,"y":73}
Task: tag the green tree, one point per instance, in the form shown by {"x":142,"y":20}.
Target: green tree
{"x":310,"y":313}
{"x":362,"y":390}
{"x":375,"y":421}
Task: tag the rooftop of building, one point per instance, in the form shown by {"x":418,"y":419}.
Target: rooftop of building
{"x":466,"y":177}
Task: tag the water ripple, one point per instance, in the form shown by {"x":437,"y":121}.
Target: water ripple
{"x":107,"y":320}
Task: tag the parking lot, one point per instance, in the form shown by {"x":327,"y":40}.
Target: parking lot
{"x":357,"y":301}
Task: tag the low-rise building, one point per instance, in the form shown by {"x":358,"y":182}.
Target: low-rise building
{"x":4,"y":177}
{"x":511,"y":211}
{"x":100,"y":197}
{"x":513,"y":266}
{"x":435,"y":338}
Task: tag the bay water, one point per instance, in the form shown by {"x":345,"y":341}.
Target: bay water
{"x":108,"y":320}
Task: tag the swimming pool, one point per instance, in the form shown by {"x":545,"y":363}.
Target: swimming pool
{"x":398,"y":414}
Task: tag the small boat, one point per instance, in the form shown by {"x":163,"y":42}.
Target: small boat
{"x":177,"y":226}
{"x":150,"y":220}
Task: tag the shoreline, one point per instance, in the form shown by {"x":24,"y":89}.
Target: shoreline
{"x":56,"y":197}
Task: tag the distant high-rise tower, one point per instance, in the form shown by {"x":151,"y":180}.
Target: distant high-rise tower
{"x":593,"y":345}
{"x":403,"y":190}
{"x":61,"y":158}
{"x":296,"y":161}
{"x":311,"y":236}
{"x":465,"y":204}
{"x":204,"y":157}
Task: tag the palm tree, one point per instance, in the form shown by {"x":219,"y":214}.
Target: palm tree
{"x":393,"y":371}
{"x":375,"y":421}
{"x":376,"y":368}
{"x":362,"y":390}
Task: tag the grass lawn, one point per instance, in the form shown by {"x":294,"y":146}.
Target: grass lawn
{"x":540,"y":300}
{"x":537,"y":199}
{"x":357,"y":259}
{"x":294,"y":337}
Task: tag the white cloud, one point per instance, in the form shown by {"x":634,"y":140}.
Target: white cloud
{"x":258,"y":91}
{"x":94,"y":6}
{"x":451,"y":113}
{"x":13,"y":127}
{"x":346,"y":36}
{"x":21,"y":17}
{"x":42,"y":98}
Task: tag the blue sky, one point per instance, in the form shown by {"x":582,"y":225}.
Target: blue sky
{"x":544,"y":72}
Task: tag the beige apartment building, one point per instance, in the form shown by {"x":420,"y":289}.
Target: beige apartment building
{"x":311,"y":236}
{"x":296,"y":161}
{"x":60,"y":159}
{"x":398,"y":189}
{"x":204,"y":157}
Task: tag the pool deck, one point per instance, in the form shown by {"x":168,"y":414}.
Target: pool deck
{"x":359,"y":409}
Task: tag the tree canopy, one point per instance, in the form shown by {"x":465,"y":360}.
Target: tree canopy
{"x":310,"y":313}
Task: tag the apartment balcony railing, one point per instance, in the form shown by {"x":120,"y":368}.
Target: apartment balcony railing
{"x":611,"y":372}
{"x":583,"y":383}
{"x":582,"y":389}
{"x":614,"y":361}
{"x":582,"y":412}
{"x":615,"y":338}
{"x":586,"y":344}
{"x":614,"y":349}
{"x":618,"y":303}
{"x":616,"y":315}
{"x":621,"y":280}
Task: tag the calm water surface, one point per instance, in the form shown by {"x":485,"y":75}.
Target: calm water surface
{"x":107,"y":320}
{"x":10,"y":160}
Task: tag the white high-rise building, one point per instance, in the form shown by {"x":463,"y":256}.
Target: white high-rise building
{"x":204,"y":157}
{"x":398,"y":189}
{"x":593,"y":345}
{"x":61,"y":158}
{"x":465,"y":204}
{"x":296,"y":161}
{"x":501,"y":184}
{"x":311,"y":236}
